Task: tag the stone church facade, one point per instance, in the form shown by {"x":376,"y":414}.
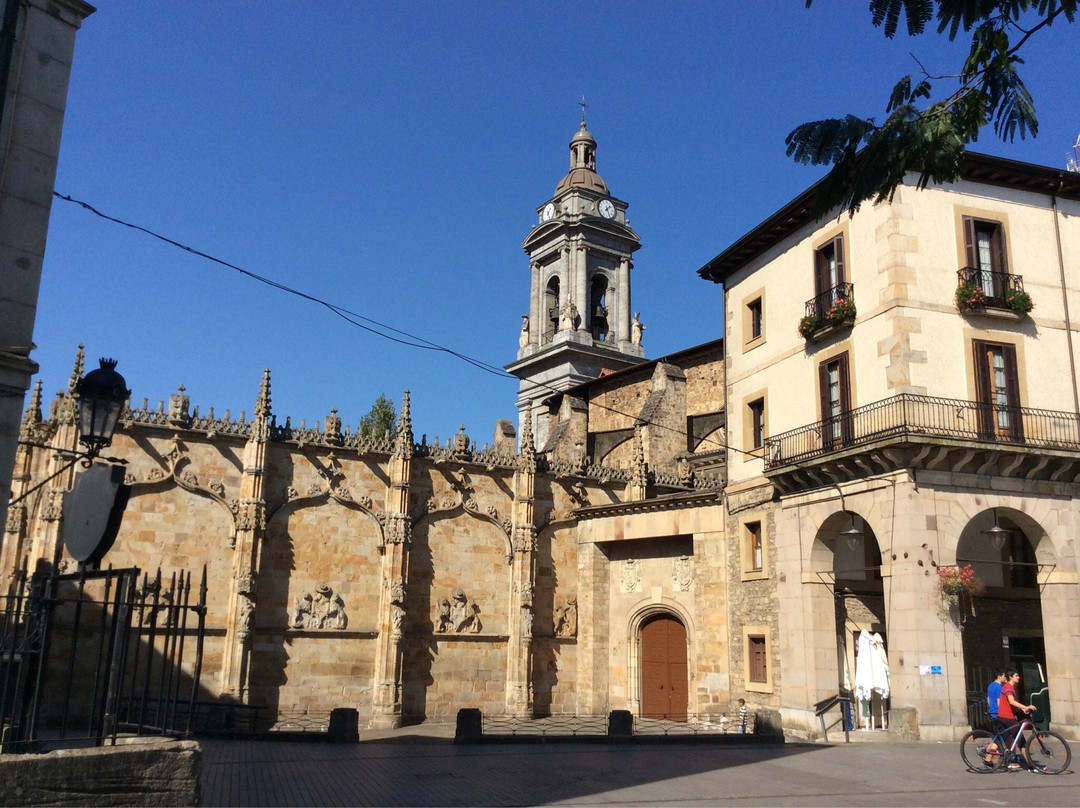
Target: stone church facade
{"x":662,"y":536}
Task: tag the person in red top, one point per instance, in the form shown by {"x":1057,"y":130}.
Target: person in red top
{"x":1008,"y":705}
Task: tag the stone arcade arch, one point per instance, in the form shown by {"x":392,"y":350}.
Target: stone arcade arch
{"x":852,"y":601}
{"x":1002,"y":626}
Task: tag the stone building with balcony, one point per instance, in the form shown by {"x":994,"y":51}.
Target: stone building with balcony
{"x":918,"y":412}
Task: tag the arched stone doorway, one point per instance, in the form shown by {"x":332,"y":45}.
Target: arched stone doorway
{"x":1002,"y":625}
{"x":664,"y":668}
{"x":848,"y":559}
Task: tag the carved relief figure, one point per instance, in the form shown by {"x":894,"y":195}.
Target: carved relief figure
{"x":322,"y":608}
{"x":464,"y":613}
{"x":566,"y":619}
{"x":636,"y":328}
{"x":523,"y":337}
{"x":397,"y":618}
{"x":443,"y":624}
{"x":568,"y":317}
{"x":682,"y":569}
{"x":631,"y":576}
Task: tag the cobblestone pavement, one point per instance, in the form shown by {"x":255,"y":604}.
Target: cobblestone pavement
{"x":421,"y":770}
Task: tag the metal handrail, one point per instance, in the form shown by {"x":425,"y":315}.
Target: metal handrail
{"x":818,"y":307}
{"x":1000,"y":284}
{"x":910,"y":415}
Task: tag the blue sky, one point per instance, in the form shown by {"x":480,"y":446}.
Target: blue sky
{"x":390,"y":157}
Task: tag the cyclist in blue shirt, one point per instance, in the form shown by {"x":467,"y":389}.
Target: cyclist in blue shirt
{"x":993,"y":694}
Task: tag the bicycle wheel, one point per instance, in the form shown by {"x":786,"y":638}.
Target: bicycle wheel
{"x":1048,"y":752}
{"x":976,"y":757}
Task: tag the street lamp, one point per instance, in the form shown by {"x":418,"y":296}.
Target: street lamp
{"x":102,"y":394}
{"x":996,"y":534}
{"x":852,"y":536}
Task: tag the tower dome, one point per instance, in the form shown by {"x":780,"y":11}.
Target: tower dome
{"x":582,"y":164}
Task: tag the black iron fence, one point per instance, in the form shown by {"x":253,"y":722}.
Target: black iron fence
{"x":908,"y":416}
{"x":90,"y":655}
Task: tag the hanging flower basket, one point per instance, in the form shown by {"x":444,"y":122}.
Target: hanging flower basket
{"x":959,"y":582}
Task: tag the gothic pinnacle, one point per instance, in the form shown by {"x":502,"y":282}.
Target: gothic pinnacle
{"x":403,"y":444}
{"x":262,"y":403}
{"x":32,"y":416}
{"x":77,"y":371}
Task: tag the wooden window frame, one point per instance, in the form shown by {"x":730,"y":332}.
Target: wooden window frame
{"x":838,"y":430}
{"x":751,"y":634}
{"x":822,"y":280}
{"x":752,"y":571}
{"x":990,"y":413}
{"x":755,"y":299}
{"x":750,"y":432}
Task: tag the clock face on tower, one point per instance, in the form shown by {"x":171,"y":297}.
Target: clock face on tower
{"x":549,"y":211}
{"x":606,"y":208}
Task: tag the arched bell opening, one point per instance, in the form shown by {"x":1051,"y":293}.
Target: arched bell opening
{"x":999,"y":610}
{"x":598,"y":311}
{"x":551,"y":306}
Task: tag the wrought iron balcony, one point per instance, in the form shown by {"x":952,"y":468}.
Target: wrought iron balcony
{"x":932,"y":422}
{"x":832,"y":308}
{"x":980,"y":288}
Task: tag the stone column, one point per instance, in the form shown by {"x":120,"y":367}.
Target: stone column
{"x":250,"y":527}
{"x":523,"y":569}
{"x":621,"y":325}
{"x":581,"y":283}
{"x":386,"y":698}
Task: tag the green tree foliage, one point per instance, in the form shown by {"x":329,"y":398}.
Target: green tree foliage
{"x":869,"y":159}
{"x":381,"y":421}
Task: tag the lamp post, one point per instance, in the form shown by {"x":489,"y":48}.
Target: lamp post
{"x":102,"y":394}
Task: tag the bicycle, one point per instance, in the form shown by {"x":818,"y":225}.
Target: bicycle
{"x":1044,"y":751}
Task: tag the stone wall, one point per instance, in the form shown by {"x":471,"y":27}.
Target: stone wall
{"x":149,"y":773}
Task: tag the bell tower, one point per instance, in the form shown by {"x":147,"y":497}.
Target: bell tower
{"x":579,"y":322}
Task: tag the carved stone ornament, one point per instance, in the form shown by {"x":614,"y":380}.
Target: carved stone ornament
{"x":682,"y":568}
{"x":630,"y":580}
{"x":250,"y":515}
{"x":397,"y":619}
{"x":247,"y":583}
{"x":458,"y":615}
{"x":525,"y":590}
{"x":53,"y":505}
{"x":397,"y":591}
{"x":526,"y":622}
{"x":245,"y":615}
{"x":566,"y":619}
{"x":16,"y":519}
{"x":321,"y":608}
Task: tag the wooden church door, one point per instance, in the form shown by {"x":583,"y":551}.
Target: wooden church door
{"x":664,"y":687}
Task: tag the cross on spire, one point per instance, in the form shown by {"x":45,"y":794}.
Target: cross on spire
{"x":583,"y":110}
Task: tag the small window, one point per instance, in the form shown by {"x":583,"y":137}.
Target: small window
{"x":753,"y":313}
{"x":758,"y":659}
{"x":753,"y":546}
{"x":757,"y":423}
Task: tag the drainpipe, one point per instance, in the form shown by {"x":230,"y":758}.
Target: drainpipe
{"x":1065,"y":295}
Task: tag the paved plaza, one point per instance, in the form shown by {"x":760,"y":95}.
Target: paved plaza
{"x":425,"y":768}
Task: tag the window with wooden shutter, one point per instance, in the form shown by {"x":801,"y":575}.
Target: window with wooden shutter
{"x":835,"y":401}
{"x":997,"y":388}
{"x":759,"y":663}
{"x":984,"y":248}
{"x":829,"y":269}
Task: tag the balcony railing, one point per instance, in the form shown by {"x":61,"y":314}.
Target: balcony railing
{"x":908,"y":416}
{"x":831,"y":309}
{"x":995,"y":286}
{"x":820,"y":306}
